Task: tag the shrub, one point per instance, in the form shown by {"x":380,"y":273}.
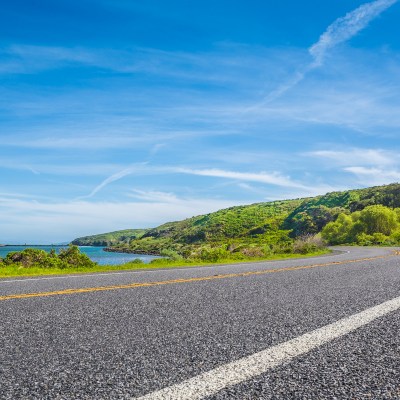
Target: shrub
{"x":308,"y":244}
{"x":378,"y":219}
{"x":338,"y":232}
{"x":365,"y":240}
{"x":136,"y":261}
{"x":72,"y":256}
{"x":380,"y":238}
{"x":395,"y":237}
{"x":171,"y":254}
{"x":252,"y":252}
{"x":373,"y":225}
{"x":29,"y":258}
{"x":212,"y":254}
{"x":375,"y":239}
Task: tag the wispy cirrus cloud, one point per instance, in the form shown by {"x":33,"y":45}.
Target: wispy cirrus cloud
{"x":375,"y":175}
{"x":65,"y":221}
{"x":273,"y":178}
{"x":344,"y":28}
{"x":154,"y":196}
{"x":340,"y":31}
{"x":368,"y":166}
{"x":357,"y":156}
{"x":226,"y":63}
{"x":28,"y":59}
{"x":265,"y":178}
{"x":139,"y":168}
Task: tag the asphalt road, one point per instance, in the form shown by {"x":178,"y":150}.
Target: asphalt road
{"x":129,"y":334}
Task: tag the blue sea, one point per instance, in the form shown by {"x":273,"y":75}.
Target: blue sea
{"x":97,"y":254}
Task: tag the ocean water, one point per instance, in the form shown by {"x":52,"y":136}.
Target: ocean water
{"x":97,"y":254}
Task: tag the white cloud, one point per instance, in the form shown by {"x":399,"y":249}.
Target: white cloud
{"x":343,"y":29}
{"x":38,"y":167}
{"x":43,"y":222}
{"x":357,"y":156}
{"x":247,"y":187}
{"x":156,"y":148}
{"x":28,"y":59}
{"x":340,"y":31}
{"x":352,"y":95}
{"x":273,"y":178}
{"x":115,"y":177}
{"x":375,"y":176}
{"x":86,"y":142}
{"x":227,"y":62}
{"x":154,"y":196}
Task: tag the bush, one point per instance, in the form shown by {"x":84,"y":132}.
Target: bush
{"x":380,"y":238}
{"x":365,"y":240}
{"x":171,"y":254}
{"x":373,"y":225}
{"x":30,"y":258}
{"x":137,"y":261}
{"x":395,"y":236}
{"x":308,"y":244}
{"x":73,"y":257}
{"x":338,"y":232}
{"x":378,"y":219}
{"x":211,"y":254}
{"x":251,"y":252}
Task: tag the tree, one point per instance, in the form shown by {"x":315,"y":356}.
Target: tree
{"x":378,"y":219}
{"x":374,"y":224}
{"x":339,"y":232}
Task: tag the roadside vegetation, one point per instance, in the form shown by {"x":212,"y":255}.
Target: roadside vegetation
{"x":34,"y":262}
{"x":374,"y":225}
{"x":279,"y":229}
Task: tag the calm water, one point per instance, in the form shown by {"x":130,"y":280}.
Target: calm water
{"x":95,"y":253}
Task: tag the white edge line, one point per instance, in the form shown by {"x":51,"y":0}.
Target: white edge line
{"x":233,"y":373}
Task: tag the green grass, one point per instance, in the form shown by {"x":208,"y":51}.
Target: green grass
{"x":270,"y":223}
{"x":15,"y":271}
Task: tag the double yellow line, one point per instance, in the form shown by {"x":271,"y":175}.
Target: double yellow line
{"x":177,"y":281}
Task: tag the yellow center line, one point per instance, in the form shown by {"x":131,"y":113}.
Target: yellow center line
{"x":183,"y":280}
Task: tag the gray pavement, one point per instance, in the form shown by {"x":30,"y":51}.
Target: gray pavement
{"x":125,"y":343}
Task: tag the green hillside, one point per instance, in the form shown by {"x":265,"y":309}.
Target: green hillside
{"x":258,"y":229}
{"x":111,"y":238}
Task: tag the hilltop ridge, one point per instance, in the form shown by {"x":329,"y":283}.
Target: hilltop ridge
{"x":110,"y":238}
{"x":275,"y":223}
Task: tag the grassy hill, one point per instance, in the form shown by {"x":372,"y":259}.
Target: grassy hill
{"x":254,"y":229}
{"x":111,"y":238}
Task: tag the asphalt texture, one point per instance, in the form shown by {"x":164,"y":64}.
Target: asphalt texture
{"x":124,"y":343}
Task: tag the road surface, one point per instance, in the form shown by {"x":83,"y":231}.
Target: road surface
{"x":317,"y":328}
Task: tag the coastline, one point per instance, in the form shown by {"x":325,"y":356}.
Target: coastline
{"x":129,"y":251}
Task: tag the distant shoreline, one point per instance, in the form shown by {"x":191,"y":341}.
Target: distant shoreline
{"x":32,"y":245}
{"x":128,"y":251}
{"x":42,"y":245}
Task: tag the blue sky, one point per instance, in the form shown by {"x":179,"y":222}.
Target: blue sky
{"x":122,"y":114}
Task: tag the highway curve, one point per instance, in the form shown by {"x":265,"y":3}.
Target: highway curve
{"x":317,"y":328}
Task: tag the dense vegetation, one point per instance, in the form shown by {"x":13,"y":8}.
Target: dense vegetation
{"x":281,"y":228}
{"x":68,"y":258}
{"x":374,"y":225}
{"x":278,"y":227}
{"x":111,"y":238}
